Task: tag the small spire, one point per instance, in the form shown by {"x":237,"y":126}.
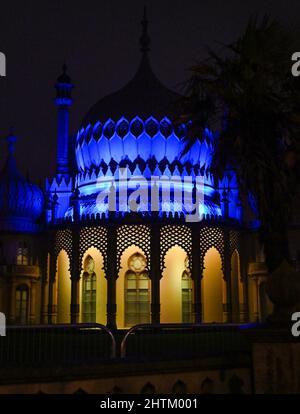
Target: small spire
{"x":145,"y":39}
{"x":10,"y":165}
{"x":11,"y":139}
{"x":76,"y":192}
{"x":225,"y":195}
{"x":55,"y":197}
{"x":64,"y":77}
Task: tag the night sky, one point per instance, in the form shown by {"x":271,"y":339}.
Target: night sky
{"x":99,"y":42}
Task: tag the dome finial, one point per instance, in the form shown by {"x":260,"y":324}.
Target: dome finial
{"x":64,"y":77}
{"x":11,"y":139}
{"x":145,"y":39}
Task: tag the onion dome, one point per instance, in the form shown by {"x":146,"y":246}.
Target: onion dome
{"x":136,"y":123}
{"x":131,"y":134}
{"x":21,"y":203}
{"x":144,"y":92}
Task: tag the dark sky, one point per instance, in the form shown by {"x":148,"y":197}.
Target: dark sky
{"x":99,"y":42}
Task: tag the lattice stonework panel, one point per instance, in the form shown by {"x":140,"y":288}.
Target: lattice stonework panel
{"x":138,"y":235}
{"x":93,"y":237}
{"x":234,"y":241}
{"x":175,"y":236}
{"x":211,"y":237}
{"x":63,"y":241}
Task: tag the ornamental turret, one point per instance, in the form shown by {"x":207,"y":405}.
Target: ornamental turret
{"x":21,"y":203}
{"x":63,"y":101}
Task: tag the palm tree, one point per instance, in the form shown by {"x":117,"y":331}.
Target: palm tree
{"x":248,"y":93}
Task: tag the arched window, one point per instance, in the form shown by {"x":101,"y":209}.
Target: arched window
{"x":89,"y":291}
{"x":22,"y":254}
{"x":137,"y":291}
{"x":22,"y":304}
{"x":187,"y":294}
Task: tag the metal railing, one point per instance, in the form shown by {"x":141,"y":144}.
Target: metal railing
{"x":66,"y":344}
{"x":233,"y":331}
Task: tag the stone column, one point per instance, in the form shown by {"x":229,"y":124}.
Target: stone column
{"x":242,"y":304}
{"x":44,"y":304}
{"x":155,"y":273}
{"x":44,"y":288}
{"x":32,"y":307}
{"x":227,"y":306}
{"x":244,"y":311}
{"x":111,"y":274}
{"x":75,"y":268}
{"x":197,"y":273}
{"x":52,"y":275}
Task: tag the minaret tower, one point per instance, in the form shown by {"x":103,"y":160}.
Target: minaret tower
{"x":59,"y":188}
{"x":63,"y":101}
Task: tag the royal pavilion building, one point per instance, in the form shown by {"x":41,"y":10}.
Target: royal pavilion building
{"x":131,"y":229}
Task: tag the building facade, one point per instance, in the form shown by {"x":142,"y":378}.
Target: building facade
{"x":132,"y":228}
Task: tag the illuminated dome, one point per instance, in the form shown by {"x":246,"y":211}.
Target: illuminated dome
{"x":134,"y":123}
{"x":21,"y":203}
{"x":134,"y":126}
{"x":131,"y":140}
{"x":134,"y":129}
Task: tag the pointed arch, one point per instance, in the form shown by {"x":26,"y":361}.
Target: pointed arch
{"x":93,"y":237}
{"x":237,"y":294}
{"x":176,"y":287}
{"x":211,"y":237}
{"x":129,"y":235}
{"x":171,"y":236}
{"x":63,"y":241}
{"x":93,"y":287}
{"x":63,"y":287}
{"x":212,"y":287}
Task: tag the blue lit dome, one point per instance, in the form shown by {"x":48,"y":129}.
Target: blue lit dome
{"x":135,"y":125}
{"x":21,"y":203}
{"x":134,"y":129}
